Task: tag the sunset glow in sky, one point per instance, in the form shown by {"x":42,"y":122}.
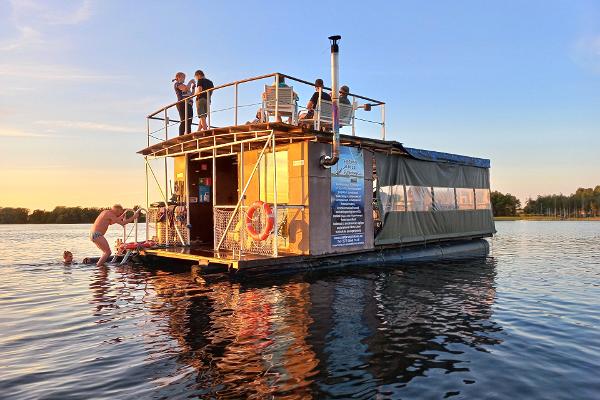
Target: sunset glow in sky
{"x":517,"y":82}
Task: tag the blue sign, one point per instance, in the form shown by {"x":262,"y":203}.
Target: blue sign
{"x":347,"y":199}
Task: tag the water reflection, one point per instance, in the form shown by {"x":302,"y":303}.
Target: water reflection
{"x":358,"y":334}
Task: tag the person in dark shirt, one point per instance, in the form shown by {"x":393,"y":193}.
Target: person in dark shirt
{"x":344,"y":91}
{"x":202,"y":101}
{"x":314,"y":100}
{"x":182,"y":91}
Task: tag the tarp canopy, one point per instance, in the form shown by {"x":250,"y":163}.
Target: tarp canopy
{"x":414,"y":215}
{"x":429,"y":155}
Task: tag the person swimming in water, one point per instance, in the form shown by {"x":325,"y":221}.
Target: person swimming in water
{"x":114,"y":215}
{"x":67,"y":257}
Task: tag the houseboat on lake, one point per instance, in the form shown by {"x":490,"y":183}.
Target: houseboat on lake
{"x":286,"y":190}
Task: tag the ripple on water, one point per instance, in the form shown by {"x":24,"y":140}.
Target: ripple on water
{"x":522,"y":323}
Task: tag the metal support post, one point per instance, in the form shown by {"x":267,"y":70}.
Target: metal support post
{"x":236,"y":104}
{"x":214,"y":184}
{"x":208,"y":108}
{"x":146,"y":167}
{"x":185,"y":105}
{"x":276,"y":97}
{"x":166,"y":192}
{"x":353,"y":116}
{"x":187,"y":199}
{"x":275,"y":226}
{"x":383,"y":121}
{"x":240,"y":197}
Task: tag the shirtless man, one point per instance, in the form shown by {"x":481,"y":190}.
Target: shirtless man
{"x":116,"y":215}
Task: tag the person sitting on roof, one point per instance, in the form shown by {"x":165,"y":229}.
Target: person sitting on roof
{"x":343,"y":99}
{"x":257,"y":118}
{"x":314,"y":100}
{"x":182,"y":91}
{"x":282,"y":84}
{"x":202,"y":83}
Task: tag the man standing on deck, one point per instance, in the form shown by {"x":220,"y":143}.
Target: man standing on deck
{"x":115,"y":215}
{"x":182,"y":91}
{"x":202,"y":101}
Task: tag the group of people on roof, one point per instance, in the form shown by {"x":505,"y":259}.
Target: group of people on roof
{"x":194,"y":86}
{"x":314,"y":99}
{"x":200,"y":86}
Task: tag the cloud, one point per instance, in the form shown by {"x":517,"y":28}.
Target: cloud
{"x":27,"y":36}
{"x":16,"y":133}
{"x":87,"y":125}
{"x":52,"y":73}
{"x":31,"y":18}
{"x":586,"y":52}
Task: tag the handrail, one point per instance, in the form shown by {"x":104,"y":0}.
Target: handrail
{"x":377,"y":102}
{"x":256,"y":78}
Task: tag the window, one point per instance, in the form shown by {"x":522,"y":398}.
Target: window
{"x":418,"y":198}
{"x":266,"y":177}
{"x":465,"y":198}
{"x":482,"y":199}
{"x":443,"y":199}
{"x":392,"y":198}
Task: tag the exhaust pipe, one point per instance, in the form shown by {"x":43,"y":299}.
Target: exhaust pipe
{"x":327,"y":161}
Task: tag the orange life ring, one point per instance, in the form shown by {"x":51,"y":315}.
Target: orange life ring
{"x":266,"y":230}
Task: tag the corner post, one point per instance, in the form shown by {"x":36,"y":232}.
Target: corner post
{"x":275,"y":226}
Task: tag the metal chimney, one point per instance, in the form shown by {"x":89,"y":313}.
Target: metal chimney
{"x":327,"y":161}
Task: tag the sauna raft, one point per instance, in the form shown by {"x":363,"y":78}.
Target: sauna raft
{"x":380,"y":203}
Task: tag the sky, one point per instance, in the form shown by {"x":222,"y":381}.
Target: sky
{"x":516,"y":82}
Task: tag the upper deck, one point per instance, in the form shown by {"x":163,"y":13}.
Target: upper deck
{"x":243,"y":111}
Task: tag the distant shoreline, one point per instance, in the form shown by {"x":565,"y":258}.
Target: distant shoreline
{"x":543,"y":218}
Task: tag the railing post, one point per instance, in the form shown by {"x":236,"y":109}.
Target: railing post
{"x":214,"y":184}
{"x":187,"y":199}
{"x":383,"y":121}
{"x":208,"y":108}
{"x":185,"y":104}
{"x":166,"y":204}
{"x":275,"y":227}
{"x":146,"y":167}
{"x":276,"y":97}
{"x":166,"y":194}
{"x":353,"y":115}
{"x":241,"y":198}
{"x":166,"y":125}
{"x":236,"y":104}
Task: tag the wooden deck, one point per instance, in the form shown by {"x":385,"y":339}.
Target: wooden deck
{"x":198,"y":142}
{"x":205,"y":256}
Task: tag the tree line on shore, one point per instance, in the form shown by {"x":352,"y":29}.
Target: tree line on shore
{"x":60,"y":215}
{"x":585,"y":202}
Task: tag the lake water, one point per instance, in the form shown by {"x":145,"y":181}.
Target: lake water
{"x":522,"y":324}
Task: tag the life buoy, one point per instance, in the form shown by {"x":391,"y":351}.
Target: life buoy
{"x":266,"y":230}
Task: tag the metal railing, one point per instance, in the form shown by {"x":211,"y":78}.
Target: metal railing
{"x":360,"y":104}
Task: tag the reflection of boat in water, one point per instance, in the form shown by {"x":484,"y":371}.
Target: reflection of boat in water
{"x":308,"y":337}
{"x":307,"y":193}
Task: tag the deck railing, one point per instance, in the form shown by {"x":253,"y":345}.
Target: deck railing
{"x":247,"y":98}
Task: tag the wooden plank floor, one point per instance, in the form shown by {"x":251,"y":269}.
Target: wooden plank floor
{"x":203,"y":254}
